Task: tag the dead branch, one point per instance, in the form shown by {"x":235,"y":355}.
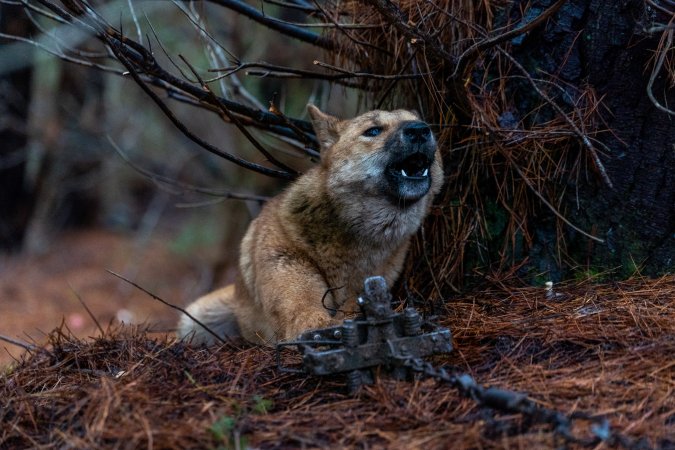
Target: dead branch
{"x":397,"y":18}
{"x":86,"y":308}
{"x":185,"y":187}
{"x":275,"y":24}
{"x":349,"y":36}
{"x":25,"y":345}
{"x":290,"y":72}
{"x":233,"y":119}
{"x":470,"y":54}
{"x":171,"y":305}
{"x":184,"y":129}
{"x":580,"y":134}
{"x":657,"y":68}
{"x":61,"y":55}
{"x":150,"y":72}
{"x":137,"y":60}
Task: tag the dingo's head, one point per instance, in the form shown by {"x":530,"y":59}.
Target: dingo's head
{"x":387,"y":154}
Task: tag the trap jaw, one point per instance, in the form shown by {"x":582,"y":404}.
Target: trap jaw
{"x":379,"y":338}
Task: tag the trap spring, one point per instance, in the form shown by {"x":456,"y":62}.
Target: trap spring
{"x":379,"y":338}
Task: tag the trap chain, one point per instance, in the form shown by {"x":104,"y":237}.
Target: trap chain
{"x":388,"y":343}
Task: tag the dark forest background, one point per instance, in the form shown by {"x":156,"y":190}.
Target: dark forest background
{"x":555,"y":119}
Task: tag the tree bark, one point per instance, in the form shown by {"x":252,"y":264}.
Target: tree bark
{"x":603,"y":43}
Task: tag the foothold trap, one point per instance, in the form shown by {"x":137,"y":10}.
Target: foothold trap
{"x":378,"y":339}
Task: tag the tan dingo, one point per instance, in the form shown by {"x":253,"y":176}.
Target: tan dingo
{"x":346,"y":219}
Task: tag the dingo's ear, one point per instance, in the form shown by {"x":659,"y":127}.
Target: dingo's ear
{"x":325,"y":127}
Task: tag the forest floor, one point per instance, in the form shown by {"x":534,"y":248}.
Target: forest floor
{"x":598,"y":348}
{"x":40,"y":292}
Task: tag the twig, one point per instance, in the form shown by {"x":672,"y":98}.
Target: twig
{"x":490,"y":42}
{"x":549,"y":205}
{"x":86,"y":308}
{"x":346,"y":26}
{"x":232,"y":118}
{"x":655,"y":72}
{"x":185,"y":186}
{"x":373,"y":76}
{"x":40,"y":11}
{"x":399,"y":20}
{"x":135,"y":20}
{"x":168,"y":57}
{"x":171,"y":305}
{"x":280,"y":26}
{"x":387,"y":90}
{"x":115,"y":47}
{"x":62,"y":55}
{"x":349,"y":36}
{"x":218,"y":55}
{"x":274,"y":110}
{"x":199,"y":24}
{"x":25,"y":345}
{"x":276,"y":71}
{"x":580,"y":134}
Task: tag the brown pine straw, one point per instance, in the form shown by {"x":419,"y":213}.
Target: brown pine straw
{"x":515,"y":141}
{"x":601,"y":348}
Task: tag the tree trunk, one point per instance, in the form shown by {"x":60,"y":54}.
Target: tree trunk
{"x":16,"y":199}
{"x":603,"y":43}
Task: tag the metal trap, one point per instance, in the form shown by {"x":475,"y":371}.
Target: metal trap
{"x":378,"y":339}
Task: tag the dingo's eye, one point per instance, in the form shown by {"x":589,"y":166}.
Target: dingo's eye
{"x":372,"y":132}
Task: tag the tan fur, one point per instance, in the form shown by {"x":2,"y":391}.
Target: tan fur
{"x":332,"y":228}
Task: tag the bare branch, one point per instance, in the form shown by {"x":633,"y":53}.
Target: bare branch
{"x":553,"y":209}
{"x":61,"y":55}
{"x":25,"y":345}
{"x":348,"y":74}
{"x":155,"y":177}
{"x":394,"y":16}
{"x":297,"y":5}
{"x":144,"y":69}
{"x":387,"y":90}
{"x":139,"y":35}
{"x":171,"y":305}
{"x":349,"y":36}
{"x":196,"y":139}
{"x":168,"y":57}
{"x":199,"y":25}
{"x":147,"y":67}
{"x":580,"y":134}
{"x":277,"y":25}
{"x":86,"y":308}
{"x":232,"y":118}
{"x":276,"y":111}
{"x":276,"y":71}
{"x":490,"y":42}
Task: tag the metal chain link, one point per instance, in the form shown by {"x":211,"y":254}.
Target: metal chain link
{"x":515,"y":402}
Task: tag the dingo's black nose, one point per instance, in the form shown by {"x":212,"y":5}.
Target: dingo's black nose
{"x":416,"y":132}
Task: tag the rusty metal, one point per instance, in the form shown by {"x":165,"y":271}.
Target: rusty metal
{"x":378,"y":338}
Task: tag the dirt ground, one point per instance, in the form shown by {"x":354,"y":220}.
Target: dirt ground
{"x":38,"y":292}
